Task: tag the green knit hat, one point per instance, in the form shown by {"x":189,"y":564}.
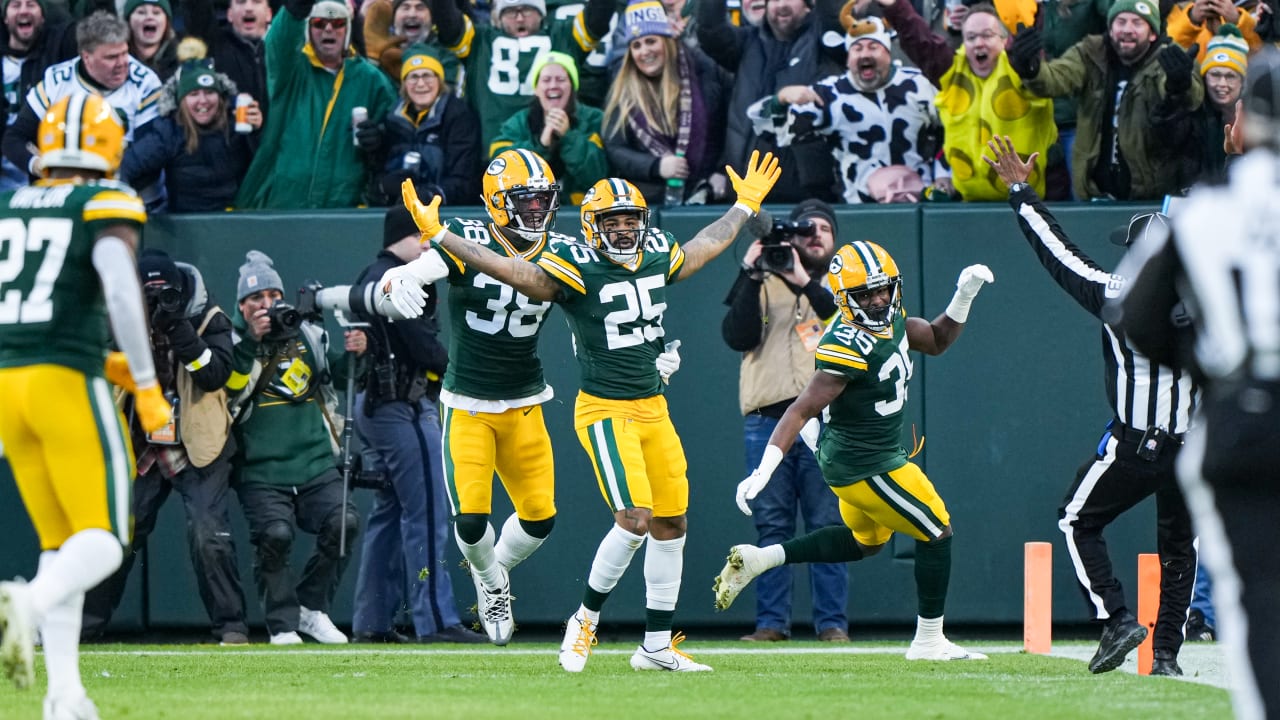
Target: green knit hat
{"x":196,"y":75}
{"x":44,"y":6}
{"x":132,"y":5}
{"x":1148,"y":10}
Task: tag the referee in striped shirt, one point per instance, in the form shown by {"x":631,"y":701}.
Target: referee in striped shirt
{"x":1223,"y":254}
{"x":1153,"y":405}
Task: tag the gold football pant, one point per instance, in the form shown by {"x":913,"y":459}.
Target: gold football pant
{"x":635,"y":452}
{"x":901,"y":500}
{"x":513,"y":443}
{"x":67,"y":447}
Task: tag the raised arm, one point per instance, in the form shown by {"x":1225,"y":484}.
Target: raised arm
{"x":752,"y":187}
{"x":933,"y":338}
{"x":519,"y":274}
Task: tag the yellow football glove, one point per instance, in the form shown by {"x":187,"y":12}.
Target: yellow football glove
{"x":152,"y":407}
{"x":426,"y":217}
{"x":116,"y":369}
{"x":762,"y":173}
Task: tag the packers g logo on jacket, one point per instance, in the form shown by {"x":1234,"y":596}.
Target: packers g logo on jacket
{"x":605,"y":198}
{"x":81,"y":131}
{"x":521,"y":193}
{"x":860,"y":268}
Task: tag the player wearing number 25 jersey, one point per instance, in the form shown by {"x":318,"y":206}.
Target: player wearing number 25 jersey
{"x":66,"y":268}
{"x":862,"y":374}
{"x":614,"y":290}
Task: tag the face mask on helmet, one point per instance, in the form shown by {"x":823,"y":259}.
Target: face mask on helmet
{"x":867,"y":285}
{"x":521,"y":193}
{"x":615,"y":218}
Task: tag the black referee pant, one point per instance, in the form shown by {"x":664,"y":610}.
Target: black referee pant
{"x":1115,"y":480}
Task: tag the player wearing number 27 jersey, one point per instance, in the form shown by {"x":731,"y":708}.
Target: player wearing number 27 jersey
{"x":68,"y":268}
{"x":613,"y":289}
{"x":862,"y":374}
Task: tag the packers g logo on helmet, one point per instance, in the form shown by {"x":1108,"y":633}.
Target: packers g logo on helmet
{"x":862,"y":267}
{"x":521,"y":193}
{"x":606,"y":197}
{"x":81,"y":131}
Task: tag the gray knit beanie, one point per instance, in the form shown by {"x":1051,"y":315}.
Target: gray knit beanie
{"x":257,"y":274}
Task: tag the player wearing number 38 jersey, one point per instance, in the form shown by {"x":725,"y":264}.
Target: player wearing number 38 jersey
{"x":862,"y":374}
{"x":613,"y":288}
{"x":66,"y":269}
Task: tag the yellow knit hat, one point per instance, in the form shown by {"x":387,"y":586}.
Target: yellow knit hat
{"x":1227,"y":49}
{"x":419,"y":57}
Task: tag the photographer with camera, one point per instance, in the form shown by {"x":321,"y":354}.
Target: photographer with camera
{"x":778,"y":309}
{"x":287,"y":428}
{"x":397,"y":415}
{"x":191,"y":346}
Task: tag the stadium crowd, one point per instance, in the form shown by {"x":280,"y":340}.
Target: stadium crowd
{"x":321,"y":104}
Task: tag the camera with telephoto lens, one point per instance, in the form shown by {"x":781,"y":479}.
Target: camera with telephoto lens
{"x":776,"y":249}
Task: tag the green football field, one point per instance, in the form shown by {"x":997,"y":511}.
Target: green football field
{"x":799,"y":680}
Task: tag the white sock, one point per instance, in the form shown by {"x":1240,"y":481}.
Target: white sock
{"x":514,"y":544}
{"x":612,"y":559}
{"x":928,"y":630}
{"x":655,"y":641}
{"x":774,"y":556}
{"x":481,"y":558}
{"x":84,"y":560}
{"x":591,"y":616}
{"x":663,"y":566}
{"x":60,"y":635}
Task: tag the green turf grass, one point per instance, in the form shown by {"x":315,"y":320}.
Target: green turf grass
{"x":523,"y":681}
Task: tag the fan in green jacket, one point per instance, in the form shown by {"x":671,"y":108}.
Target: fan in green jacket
{"x":559,"y":128}
{"x":315,"y":78}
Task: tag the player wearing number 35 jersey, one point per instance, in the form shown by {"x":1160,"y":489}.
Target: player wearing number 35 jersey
{"x":613,"y":288}
{"x":67,"y":245}
{"x":862,"y":374}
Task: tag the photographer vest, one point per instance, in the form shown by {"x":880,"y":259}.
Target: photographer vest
{"x":204,"y":421}
{"x":780,"y":367}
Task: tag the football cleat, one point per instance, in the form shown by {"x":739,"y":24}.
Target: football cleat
{"x":579,"y":638}
{"x":744,"y":564}
{"x":1120,"y":636}
{"x":669,"y":658}
{"x":494,"y":609}
{"x":941,"y":649}
{"x":75,"y":708}
{"x":17,"y":622}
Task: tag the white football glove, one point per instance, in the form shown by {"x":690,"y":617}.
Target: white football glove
{"x":749,"y":488}
{"x":668,"y":361}
{"x":402,"y":293}
{"x":810,"y":432}
{"x":971,"y":281}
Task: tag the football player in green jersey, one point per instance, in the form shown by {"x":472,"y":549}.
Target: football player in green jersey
{"x":613,"y":288}
{"x":69,"y":281}
{"x":494,"y":387}
{"x":862,"y":373}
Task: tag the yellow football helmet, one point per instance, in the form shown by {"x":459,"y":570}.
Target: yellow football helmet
{"x":81,"y":131}
{"x":521,"y":193}
{"x":606,"y":197}
{"x":862,"y":267}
